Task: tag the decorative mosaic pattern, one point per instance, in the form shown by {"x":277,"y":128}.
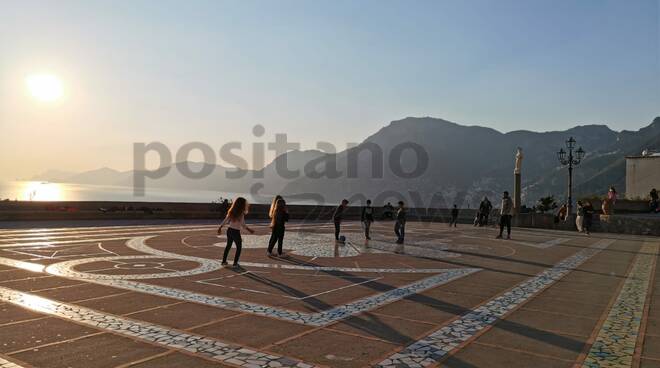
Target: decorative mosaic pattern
{"x":161,"y":335}
{"x":421,"y":249}
{"x":67,"y":268}
{"x":305,"y":244}
{"x":437,"y":345}
{"x":544,"y":245}
{"x":7,"y":364}
{"x":53,"y":240}
{"x":313,"y":319}
{"x":615,"y":343}
{"x":114,"y":232}
{"x":317,"y":319}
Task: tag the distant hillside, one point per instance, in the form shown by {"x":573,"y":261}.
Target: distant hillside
{"x":464,"y":164}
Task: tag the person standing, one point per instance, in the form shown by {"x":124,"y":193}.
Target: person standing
{"x":279,"y":217}
{"x":579,"y":218}
{"x":273,"y":204}
{"x":588,"y":209}
{"x":337,"y":217}
{"x":484,"y":210}
{"x":506,"y":212}
{"x":235,"y":221}
{"x":367,"y":218}
{"x":400,"y":224}
{"x":653,"y":204}
{"x":454,"y":217}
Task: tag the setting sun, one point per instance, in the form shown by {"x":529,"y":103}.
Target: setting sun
{"x":45,"y":87}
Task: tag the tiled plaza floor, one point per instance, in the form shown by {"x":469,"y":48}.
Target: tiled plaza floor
{"x":157,"y":296}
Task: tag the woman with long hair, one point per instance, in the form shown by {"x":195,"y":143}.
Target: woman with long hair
{"x":235,"y":221}
{"x":273,"y":204}
{"x":279,"y":216}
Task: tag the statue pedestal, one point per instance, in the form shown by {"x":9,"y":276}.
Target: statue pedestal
{"x":517,"y":197}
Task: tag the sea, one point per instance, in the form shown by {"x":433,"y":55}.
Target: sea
{"x":48,"y":191}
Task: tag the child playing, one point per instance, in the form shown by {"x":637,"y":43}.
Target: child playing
{"x":235,"y":220}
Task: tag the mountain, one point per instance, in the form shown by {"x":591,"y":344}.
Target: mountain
{"x":468,"y":162}
{"x":455,"y":163}
{"x":53,"y":175}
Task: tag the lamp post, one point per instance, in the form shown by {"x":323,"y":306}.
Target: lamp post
{"x":570,"y":158}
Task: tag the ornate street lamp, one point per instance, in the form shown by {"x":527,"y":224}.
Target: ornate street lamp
{"x":570,"y":158}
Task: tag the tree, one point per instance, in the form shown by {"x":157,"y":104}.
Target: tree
{"x":547,"y":204}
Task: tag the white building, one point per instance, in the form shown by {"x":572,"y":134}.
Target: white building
{"x":642,"y":175}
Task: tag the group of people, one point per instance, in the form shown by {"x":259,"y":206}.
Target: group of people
{"x":279,"y":216}
{"x":367,"y":218}
{"x":235,"y":221}
{"x":483,"y":213}
{"x":584,"y":218}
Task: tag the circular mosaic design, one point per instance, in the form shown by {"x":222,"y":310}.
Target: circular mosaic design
{"x":153,"y":259}
{"x":305,"y":244}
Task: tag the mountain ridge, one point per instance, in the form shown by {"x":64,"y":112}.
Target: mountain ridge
{"x":465,"y":162}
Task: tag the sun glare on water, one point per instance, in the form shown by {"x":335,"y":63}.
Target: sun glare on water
{"x":41,"y":191}
{"x":45,"y":87}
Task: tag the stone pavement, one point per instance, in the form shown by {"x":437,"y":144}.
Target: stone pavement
{"x":157,"y":296}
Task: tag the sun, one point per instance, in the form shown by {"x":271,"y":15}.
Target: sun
{"x":45,"y":87}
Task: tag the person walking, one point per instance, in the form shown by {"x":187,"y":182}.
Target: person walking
{"x":235,"y":221}
{"x":367,"y":218}
{"x":506,"y":212}
{"x":400,"y":224}
{"x":279,"y":216}
{"x":337,"y":217}
{"x":588,"y":209}
{"x":454,"y":217}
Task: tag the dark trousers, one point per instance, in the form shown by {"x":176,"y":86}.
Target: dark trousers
{"x":453,"y":221}
{"x":505,"y":220}
{"x":483,"y":219}
{"x":400,"y":231}
{"x":367,"y":227}
{"x":233,"y":236}
{"x":337,"y":228}
{"x":277,"y":236}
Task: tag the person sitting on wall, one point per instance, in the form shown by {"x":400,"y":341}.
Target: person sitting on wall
{"x":388,"y":211}
{"x":610,"y":200}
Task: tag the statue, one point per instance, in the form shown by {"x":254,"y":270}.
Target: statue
{"x":519,"y":158}
{"x":517,"y":182}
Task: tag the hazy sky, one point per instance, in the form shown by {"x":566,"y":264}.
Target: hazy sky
{"x":337,"y":71}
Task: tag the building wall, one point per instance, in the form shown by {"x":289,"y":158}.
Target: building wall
{"x":642,"y":174}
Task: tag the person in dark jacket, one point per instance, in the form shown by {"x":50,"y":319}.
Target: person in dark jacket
{"x":337,"y":217}
{"x":279,"y":216}
{"x":367,"y":218}
{"x":484,"y":211}
{"x":654,"y":205}
{"x":400,"y":225}
{"x":588,"y":217}
{"x":454,"y":217}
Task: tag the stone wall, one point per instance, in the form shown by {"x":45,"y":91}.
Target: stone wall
{"x":642,"y":175}
{"x":619,"y":224}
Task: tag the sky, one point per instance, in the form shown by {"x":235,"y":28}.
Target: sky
{"x":334,"y":71}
